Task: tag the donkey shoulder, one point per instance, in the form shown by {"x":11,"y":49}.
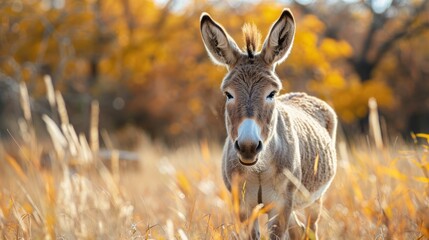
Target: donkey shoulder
{"x":315,"y":107}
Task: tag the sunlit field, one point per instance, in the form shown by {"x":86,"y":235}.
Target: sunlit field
{"x":68,"y":186}
{"x":112,"y":115}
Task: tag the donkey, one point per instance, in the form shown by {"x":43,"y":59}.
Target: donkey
{"x":280,"y":148}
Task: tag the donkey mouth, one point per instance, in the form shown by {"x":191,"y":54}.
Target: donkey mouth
{"x":248,"y":163}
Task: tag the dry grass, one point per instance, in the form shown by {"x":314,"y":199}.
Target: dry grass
{"x":378,"y":193}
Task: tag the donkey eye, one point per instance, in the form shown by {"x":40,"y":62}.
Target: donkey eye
{"x":228,"y":96}
{"x":271,"y":95}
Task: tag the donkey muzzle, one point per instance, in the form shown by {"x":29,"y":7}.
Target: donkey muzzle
{"x":248,"y":143}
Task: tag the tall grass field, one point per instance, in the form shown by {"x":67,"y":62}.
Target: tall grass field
{"x":69,"y":185}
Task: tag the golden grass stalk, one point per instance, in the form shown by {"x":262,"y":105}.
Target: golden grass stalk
{"x":50,"y":93}
{"x":256,"y":212}
{"x":170,"y":230}
{"x":114,"y":161}
{"x":50,"y":218}
{"x":25,"y":101}
{"x":58,"y":139}
{"x":235,"y":194}
{"x":69,"y":133}
{"x":316,"y":165}
{"x":183,"y":183}
{"x":106,"y":139}
{"x":62,"y":111}
{"x":16,"y":167}
{"x":31,"y":152}
{"x":309,"y":234}
{"x":20,"y":214}
{"x":111,"y":185}
{"x":93,"y":129}
{"x":297,"y":183}
{"x":205,"y":151}
{"x":182,"y":234}
{"x":86,"y":154}
{"x":374,"y":123}
{"x":37,"y":213}
{"x":74,"y":139}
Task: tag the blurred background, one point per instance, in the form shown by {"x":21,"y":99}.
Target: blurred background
{"x":145,"y":63}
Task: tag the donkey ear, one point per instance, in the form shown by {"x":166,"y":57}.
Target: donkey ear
{"x":279,"y":41}
{"x":221,"y":47}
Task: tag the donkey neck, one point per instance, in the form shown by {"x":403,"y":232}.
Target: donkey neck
{"x":282,"y":144}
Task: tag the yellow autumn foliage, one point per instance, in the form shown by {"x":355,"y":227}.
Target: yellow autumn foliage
{"x":153,"y":58}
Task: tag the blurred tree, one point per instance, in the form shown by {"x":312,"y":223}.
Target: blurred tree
{"x":379,"y":32}
{"x":146,"y":64}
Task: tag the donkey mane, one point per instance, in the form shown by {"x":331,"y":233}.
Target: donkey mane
{"x":252,"y":39}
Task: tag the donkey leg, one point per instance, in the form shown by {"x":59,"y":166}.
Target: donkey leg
{"x":297,"y":221}
{"x":253,"y":234}
{"x":315,"y":212}
{"x":276,"y":231}
{"x":279,"y":224}
{"x":296,"y":228}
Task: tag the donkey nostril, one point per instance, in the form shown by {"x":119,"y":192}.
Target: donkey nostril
{"x":236,"y":146}
{"x":259,"y":147}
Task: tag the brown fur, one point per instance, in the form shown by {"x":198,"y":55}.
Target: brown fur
{"x":297,"y":130}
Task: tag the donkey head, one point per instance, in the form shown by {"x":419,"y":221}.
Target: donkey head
{"x":250,"y":86}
